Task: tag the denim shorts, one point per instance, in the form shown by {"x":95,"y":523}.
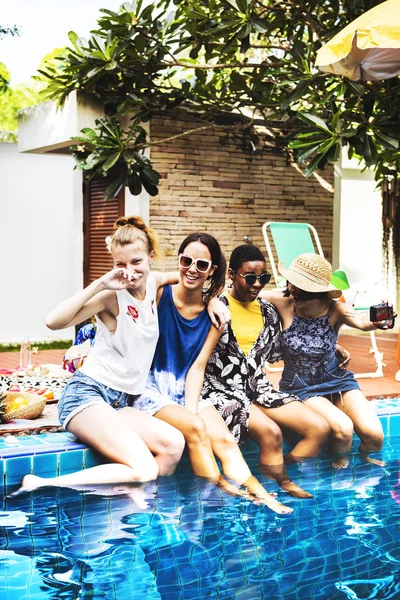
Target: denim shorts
{"x":82,"y":391}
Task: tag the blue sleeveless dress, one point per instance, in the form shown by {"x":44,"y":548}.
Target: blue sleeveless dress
{"x":311,"y":366}
{"x":178,"y":346}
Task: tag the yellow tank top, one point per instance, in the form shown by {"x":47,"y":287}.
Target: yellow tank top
{"x":247,"y":322}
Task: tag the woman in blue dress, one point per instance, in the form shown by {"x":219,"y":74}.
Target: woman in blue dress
{"x":176,"y":378}
{"x":311,"y":320}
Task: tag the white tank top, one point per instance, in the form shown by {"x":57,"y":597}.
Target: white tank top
{"x":122,"y":360}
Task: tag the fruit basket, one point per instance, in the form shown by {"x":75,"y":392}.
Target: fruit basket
{"x":20,"y":405}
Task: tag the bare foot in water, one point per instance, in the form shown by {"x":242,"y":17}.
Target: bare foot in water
{"x":229,"y":488}
{"x":29,"y":483}
{"x":340,"y":462}
{"x":279,"y":474}
{"x":372,"y":461}
{"x":271,"y":503}
{"x":294,"y":490}
{"x":261,"y":496}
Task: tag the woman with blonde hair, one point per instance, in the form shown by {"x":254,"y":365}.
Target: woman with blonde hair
{"x":96,"y":404}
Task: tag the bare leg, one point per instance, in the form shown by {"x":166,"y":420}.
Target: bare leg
{"x":233,"y":464}
{"x":313,"y":428}
{"x":366,"y":423}
{"x":165,"y":442}
{"x":201,"y":455}
{"x":112,"y":434}
{"x":268,"y":436}
{"x":342,"y":429}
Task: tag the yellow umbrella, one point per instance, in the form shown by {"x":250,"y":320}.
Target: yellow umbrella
{"x":368,"y":48}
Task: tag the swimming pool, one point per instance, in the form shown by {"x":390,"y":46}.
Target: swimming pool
{"x":189,"y":542}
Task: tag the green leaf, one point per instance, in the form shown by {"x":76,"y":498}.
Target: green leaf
{"x":111,"y":66}
{"x":298,"y":93}
{"x":260,"y":25}
{"x":110,"y":162}
{"x":134,"y":184}
{"x":94,"y":72}
{"x":242,"y":6}
{"x":302,"y":156}
{"x":386,"y":140}
{"x":141,"y":159}
{"x":313,"y":120}
{"x":312,"y":166}
{"x":149,"y":187}
{"x":297,"y":144}
{"x":369,"y":151}
{"x":90,"y":133}
{"x":76,"y":42}
{"x":359,"y":88}
{"x":150,"y":175}
{"x":114,"y":188}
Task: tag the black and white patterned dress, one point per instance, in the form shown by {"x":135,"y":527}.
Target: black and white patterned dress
{"x":233,"y":381}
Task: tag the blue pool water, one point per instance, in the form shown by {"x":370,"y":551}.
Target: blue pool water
{"x":179,"y":538}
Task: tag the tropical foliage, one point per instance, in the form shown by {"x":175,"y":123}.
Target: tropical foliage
{"x":12,"y":100}
{"x":250,"y":58}
{"x":101,"y":149}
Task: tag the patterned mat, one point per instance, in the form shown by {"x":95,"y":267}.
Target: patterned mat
{"x":47,"y":383}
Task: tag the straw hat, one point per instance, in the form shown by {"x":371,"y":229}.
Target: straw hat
{"x":311,"y":273}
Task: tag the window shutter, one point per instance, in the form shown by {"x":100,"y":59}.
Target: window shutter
{"x":99,"y":216}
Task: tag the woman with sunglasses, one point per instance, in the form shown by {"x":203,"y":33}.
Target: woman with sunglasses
{"x":236,"y":382}
{"x":175,"y":382}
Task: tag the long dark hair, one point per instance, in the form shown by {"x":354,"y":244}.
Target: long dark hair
{"x":217,"y":279}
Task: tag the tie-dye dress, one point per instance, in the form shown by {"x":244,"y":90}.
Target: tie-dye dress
{"x":178,"y":346}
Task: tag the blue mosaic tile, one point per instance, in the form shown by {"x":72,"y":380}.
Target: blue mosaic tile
{"x":29,"y":440}
{"x":45,"y":464}
{"x":16,"y":468}
{"x":71,"y":461}
{"x":92,"y":458}
{"x":51,"y":438}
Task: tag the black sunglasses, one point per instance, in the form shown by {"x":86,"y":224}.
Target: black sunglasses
{"x":202,"y":264}
{"x":251,"y":278}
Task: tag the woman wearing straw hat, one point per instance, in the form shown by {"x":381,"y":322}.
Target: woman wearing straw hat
{"x":311,"y":319}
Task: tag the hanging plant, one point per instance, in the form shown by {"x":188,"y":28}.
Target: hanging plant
{"x":108,"y":147}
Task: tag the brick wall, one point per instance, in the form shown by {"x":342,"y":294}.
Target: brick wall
{"x":210,"y":184}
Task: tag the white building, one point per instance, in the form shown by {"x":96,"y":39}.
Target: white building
{"x":41,"y":229}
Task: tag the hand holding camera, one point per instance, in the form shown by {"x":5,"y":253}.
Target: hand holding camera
{"x":382,"y":316}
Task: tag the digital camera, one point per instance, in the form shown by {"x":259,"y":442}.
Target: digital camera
{"x":380,"y":312}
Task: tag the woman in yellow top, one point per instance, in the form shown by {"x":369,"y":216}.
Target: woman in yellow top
{"x":236,"y":382}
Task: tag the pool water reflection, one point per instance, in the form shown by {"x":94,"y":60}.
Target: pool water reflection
{"x":179,"y":538}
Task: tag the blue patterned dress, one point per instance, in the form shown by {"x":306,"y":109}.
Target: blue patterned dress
{"x":311,"y":365}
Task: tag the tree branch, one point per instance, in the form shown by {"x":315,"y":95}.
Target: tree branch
{"x":240,"y":127}
{"x":179,"y":63}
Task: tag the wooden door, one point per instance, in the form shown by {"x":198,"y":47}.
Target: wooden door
{"x":99,"y":216}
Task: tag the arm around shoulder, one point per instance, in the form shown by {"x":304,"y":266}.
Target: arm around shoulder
{"x":165,"y":278}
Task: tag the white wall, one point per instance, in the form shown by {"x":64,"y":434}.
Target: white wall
{"x":40,"y":239}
